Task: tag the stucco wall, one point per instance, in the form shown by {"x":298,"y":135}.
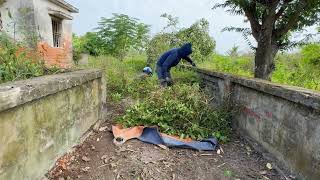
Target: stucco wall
{"x":42,"y":118}
{"x":285,"y":120}
{"x":21,"y":25}
{"x":54,"y":56}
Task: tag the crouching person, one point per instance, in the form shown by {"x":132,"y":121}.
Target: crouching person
{"x":171,"y":59}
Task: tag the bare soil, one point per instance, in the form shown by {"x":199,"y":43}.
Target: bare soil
{"x":99,"y":159}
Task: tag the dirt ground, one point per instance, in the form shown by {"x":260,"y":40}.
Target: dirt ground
{"x":99,"y":159}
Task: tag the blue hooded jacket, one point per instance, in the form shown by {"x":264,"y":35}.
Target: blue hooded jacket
{"x":172,"y":57}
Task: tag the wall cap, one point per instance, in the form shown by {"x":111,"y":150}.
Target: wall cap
{"x":307,"y":97}
{"x":16,"y":93}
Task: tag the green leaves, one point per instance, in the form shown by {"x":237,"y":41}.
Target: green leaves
{"x":15,"y":64}
{"x":197,"y":34}
{"x":122,"y":33}
{"x":181,"y":110}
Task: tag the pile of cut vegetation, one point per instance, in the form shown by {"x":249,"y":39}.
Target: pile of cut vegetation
{"x":182,"y":110}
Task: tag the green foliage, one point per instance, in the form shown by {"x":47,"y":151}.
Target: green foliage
{"x":242,"y":65}
{"x":234,"y":51}
{"x":76,"y":55}
{"x":197,"y":34}
{"x":89,"y":43}
{"x":299,"y":69}
{"x":311,"y":54}
{"x":280,"y":17}
{"x":14,"y":65}
{"x":296,"y":70}
{"x":122,"y":76}
{"x":182,"y":110}
{"x":122,"y":33}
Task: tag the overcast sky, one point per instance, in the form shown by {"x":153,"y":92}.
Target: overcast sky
{"x":149,"y":11}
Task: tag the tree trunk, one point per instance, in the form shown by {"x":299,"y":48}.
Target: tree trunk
{"x":264,"y":59}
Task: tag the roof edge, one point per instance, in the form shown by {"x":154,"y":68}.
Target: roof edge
{"x":65,"y":5}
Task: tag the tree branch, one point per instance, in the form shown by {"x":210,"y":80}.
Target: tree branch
{"x":283,"y":8}
{"x":251,"y":15}
{"x":292,"y":21}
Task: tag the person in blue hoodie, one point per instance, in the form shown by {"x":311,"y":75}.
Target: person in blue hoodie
{"x":170,"y":59}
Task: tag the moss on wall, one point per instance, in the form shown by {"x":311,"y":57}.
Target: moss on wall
{"x":33,"y":135}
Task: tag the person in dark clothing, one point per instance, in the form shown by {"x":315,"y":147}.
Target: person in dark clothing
{"x":170,"y":59}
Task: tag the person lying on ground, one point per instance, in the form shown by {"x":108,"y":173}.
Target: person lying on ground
{"x":171,"y":59}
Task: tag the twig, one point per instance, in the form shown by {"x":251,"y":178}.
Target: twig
{"x":102,"y":166}
{"x":221,"y":165}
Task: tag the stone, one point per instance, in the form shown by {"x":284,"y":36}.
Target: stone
{"x":85,"y":159}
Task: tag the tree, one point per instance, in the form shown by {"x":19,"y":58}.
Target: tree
{"x":89,"y":43}
{"x":121,"y":33}
{"x":172,"y":37}
{"x":272,"y":22}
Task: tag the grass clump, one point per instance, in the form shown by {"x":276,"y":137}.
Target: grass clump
{"x":181,"y":110}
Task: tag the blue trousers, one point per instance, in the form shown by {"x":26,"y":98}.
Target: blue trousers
{"x":163,"y":75}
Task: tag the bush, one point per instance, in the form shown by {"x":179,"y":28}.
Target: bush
{"x":76,"y":56}
{"x":182,"y":110}
{"x":311,"y":54}
{"x":17,"y":62}
{"x":294,"y":69}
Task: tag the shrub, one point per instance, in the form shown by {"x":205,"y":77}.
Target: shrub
{"x":311,"y":54}
{"x":76,"y":56}
{"x":17,"y":62}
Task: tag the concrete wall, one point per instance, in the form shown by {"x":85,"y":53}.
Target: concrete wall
{"x":21,"y":25}
{"x":53,"y":56}
{"x":284,"y":120}
{"x":42,"y":118}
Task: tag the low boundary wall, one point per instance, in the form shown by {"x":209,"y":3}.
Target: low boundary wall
{"x":42,"y":118}
{"x":285,"y":120}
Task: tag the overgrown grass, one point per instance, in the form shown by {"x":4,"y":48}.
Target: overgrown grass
{"x":242,"y":65}
{"x":300,"y":69}
{"x":182,"y":110}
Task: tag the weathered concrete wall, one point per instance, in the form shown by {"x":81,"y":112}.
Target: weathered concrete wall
{"x":284,"y":120}
{"x":18,"y":20}
{"x":42,"y":118}
{"x":54,"y":56}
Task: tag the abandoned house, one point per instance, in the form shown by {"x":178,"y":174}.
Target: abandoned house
{"x":45,"y":25}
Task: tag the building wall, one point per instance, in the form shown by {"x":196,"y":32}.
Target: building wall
{"x":54,"y":56}
{"x":21,"y":25}
{"x":31,"y":23}
{"x":42,"y":118}
{"x":285,"y":120}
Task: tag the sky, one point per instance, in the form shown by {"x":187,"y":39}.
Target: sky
{"x":149,"y":11}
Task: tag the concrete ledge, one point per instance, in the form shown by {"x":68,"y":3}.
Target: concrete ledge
{"x":303,"y":96}
{"x":17,"y":93}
